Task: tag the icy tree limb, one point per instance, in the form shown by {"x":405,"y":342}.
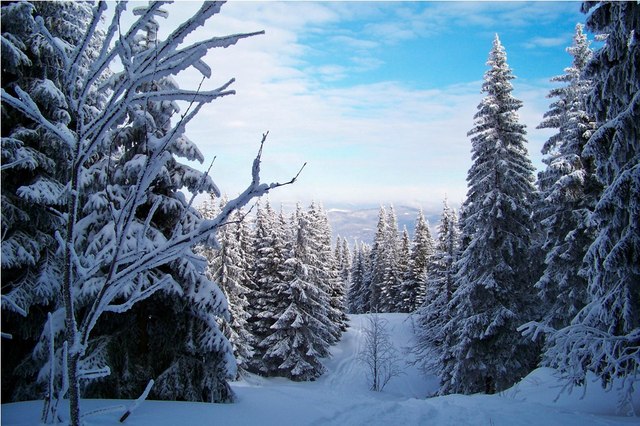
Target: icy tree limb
{"x":13,"y":164}
{"x":184,"y":95}
{"x":59,"y":45}
{"x":28,"y":107}
{"x":172,"y":249}
{"x":139,"y":296}
{"x":95,"y":373}
{"x":84,"y":44}
{"x":14,"y":307}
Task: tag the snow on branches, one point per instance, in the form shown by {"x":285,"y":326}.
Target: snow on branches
{"x":112,"y":250}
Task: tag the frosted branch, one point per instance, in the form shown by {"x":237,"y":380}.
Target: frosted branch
{"x":28,"y":107}
{"x":175,"y":246}
{"x":184,"y":95}
{"x":207,"y":10}
{"x":93,"y":374}
{"x":13,"y":164}
{"x":140,"y":295}
{"x":199,"y":187}
{"x":191,"y":55}
{"x":56,"y":43}
{"x":147,"y":222}
{"x":13,"y":305}
{"x":84,"y":44}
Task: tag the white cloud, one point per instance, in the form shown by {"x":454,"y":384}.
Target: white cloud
{"x":538,"y":42}
{"x":372,"y":143}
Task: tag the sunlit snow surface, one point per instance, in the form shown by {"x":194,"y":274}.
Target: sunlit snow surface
{"x":341,"y":397}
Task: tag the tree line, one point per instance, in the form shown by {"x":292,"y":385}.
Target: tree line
{"x":284,"y":289}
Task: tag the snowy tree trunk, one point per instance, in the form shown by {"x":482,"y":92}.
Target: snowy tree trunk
{"x":71,"y":325}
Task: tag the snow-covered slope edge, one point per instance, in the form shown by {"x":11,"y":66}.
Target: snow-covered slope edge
{"x":341,"y":397}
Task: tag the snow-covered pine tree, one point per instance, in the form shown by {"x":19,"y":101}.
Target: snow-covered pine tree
{"x":494,"y":284}
{"x":110,"y":268}
{"x":391,"y":286}
{"x":604,"y":337}
{"x":34,"y":172}
{"x":434,"y":313}
{"x":343,"y":262}
{"x":414,"y":284}
{"x":229,"y":269}
{"x":378,"y":262}
{"x":404,"y":271}
{"x":343,"y":257}
{"x":300,"y":336}
{"x":324,"y":272}
{"x":359,"y":291}
{"x":268,"y":251}
{"x":346,"y":260}
{"x":337,"y":253}
{"x":569,"y":191}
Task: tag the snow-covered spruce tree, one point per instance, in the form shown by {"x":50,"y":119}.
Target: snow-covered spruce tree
{"x":359,"y":290}
{"x":244,"y":342}
{"x":385,"y":281}
{"x":33,"y":175}
{"x":300,"y":335}
{"x":325,"y":274}
{"x":391,"y":285}
{"x":434,"y":313}
{"x":343,"y":264}
{"x":109,"y":266}
{"x":337,"y":253}
{"x":229,"y":269}
{"x":494,"y":285}
{"x":268,"y":250}
{"x":343,"y":269}
{"x":604,"y":337}
{"x":378,"y":261}
{"x":414,"y":283}
{"x":569,"y":191}
{"x":404,"y":270}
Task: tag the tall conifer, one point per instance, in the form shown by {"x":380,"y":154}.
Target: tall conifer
{"x":569,"y":191}
{"x":603,"y":338}
{"x":494,"y":284}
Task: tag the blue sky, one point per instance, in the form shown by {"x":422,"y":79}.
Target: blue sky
{"x":377,"y":97}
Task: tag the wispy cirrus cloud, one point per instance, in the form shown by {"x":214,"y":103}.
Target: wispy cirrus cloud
{"x":538,"y":42}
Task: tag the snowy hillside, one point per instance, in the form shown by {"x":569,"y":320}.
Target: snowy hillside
{"x":360,"y":223}
{"x":341,"y":397}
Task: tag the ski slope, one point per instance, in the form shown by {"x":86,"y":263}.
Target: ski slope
{"x":342,"y":397}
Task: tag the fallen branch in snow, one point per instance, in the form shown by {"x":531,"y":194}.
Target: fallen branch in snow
{"x":137,"y":402}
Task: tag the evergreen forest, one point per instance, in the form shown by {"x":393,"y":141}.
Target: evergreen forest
{"x":117,"y":283}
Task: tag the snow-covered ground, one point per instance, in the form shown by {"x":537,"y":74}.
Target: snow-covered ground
{"x":342,"y":397}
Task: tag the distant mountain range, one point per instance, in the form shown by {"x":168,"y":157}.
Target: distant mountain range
{"x":360,"y":224}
